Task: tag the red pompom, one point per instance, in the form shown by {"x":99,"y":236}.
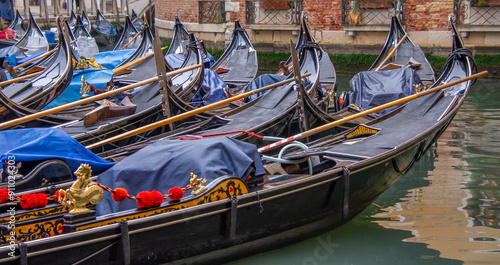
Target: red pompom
{"x":4,"y":195}
{"x":144,"y":199}
{"x":41,"y":199}
{"x":175,"y":193}
{"x":28,"y":201}
{"x":157,"y":198}
{"x":119,"y":195}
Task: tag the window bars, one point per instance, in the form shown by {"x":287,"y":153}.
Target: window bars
{"x":273,"y":12}
{"x":371,"y":12}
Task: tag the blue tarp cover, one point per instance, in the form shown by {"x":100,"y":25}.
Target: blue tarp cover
{"x":47,"y":143}
{"x":371,"y":89}
{"x":169,"y":163}
{"x":96,"y":77}
{"x":262,"y":81}
{"x":112,"y":59}
{"x":212,"y":89}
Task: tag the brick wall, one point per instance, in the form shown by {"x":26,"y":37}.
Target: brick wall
{"x":323,"y":14}
{"x":424,"y":15}
{"x":420,"y":15}
{"x":186,"y":10}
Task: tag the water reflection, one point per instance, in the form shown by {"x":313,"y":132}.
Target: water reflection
{"x":444,"y":211}
{"x":458,"y":214}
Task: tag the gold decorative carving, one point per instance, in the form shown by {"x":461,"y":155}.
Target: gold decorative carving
{"x":83,"y":191}
{"x":197,"y":184}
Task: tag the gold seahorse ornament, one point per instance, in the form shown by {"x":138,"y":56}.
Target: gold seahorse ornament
{"x":83,"y":191}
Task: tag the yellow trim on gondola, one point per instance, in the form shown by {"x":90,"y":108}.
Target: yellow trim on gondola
{"x":225,"y":189}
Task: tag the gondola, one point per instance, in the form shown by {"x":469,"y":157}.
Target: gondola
{"x":402,"y":55}
{"x":236,"y":217}
{"x":104,"y":33}
{"x":238,"y":64}
{"x":33,"y":41}
{"x":39,"y":91}
{"x":128,"y":39}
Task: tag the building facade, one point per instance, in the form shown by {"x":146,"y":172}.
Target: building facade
{"x":341,"y":24}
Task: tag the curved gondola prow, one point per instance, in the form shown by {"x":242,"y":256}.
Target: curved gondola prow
{"x":86,"y":21}
{"x":55,"y":78}
{"x":145,"y":47}
{"x":16,"y":25}
{"x":33,"y":39}
{"x":460,"y":62}
{"x":240,"y":58}
{"x":128,"y":33}
{"x":72,"y":19}
{"x":180,"y":38}
{"x":79,"y":29}
{"x":396,"y":32}
{"x":105,"y":39}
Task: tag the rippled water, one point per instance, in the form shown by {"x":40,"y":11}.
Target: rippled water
{"x":446,"y":210}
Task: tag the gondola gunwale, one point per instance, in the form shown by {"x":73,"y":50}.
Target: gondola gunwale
{"x":33,"y":27}
{"x":128,"y":30}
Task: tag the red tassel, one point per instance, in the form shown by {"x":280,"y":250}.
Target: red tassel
{"x":175,"y":193}
{"x":4,"y":195}
{"x":157,"y":198}
{"x":144,"y":199}
{"x":119,"y":195}
{"x":28,"y":201}
{"x":41,"y":199}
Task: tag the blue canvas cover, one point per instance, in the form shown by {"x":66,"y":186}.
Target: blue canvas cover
{"x":262,"y":81}
{"x":169,"y":163}
{"x":212,"y":89}
{"x":371,"y":88}
{"x":96,"y":77}
{"x":111,"y":59}
{"x":38,"y":144}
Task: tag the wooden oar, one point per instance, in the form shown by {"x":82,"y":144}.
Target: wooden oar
{"x":121,"y":69}
{"x":15,"y":80}
{"x":90,"y":99}
{"x":189,"y":113}
{"x":366,"y":112}
{"x":130,"y":41}
{"x":35,"y":59}
{"x":392,"y":52}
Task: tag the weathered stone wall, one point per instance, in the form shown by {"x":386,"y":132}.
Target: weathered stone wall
{"x":186,"y":10}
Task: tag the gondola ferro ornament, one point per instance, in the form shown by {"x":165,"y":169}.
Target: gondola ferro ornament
{"x":83,"y":191}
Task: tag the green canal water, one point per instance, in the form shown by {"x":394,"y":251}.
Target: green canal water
{"x":446,"y":210}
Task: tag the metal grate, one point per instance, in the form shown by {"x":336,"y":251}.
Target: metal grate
{"x":477,"y":12}
{"x":211,"y":12}
{"x":273,"y":12}
{"x":371,"y":12}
